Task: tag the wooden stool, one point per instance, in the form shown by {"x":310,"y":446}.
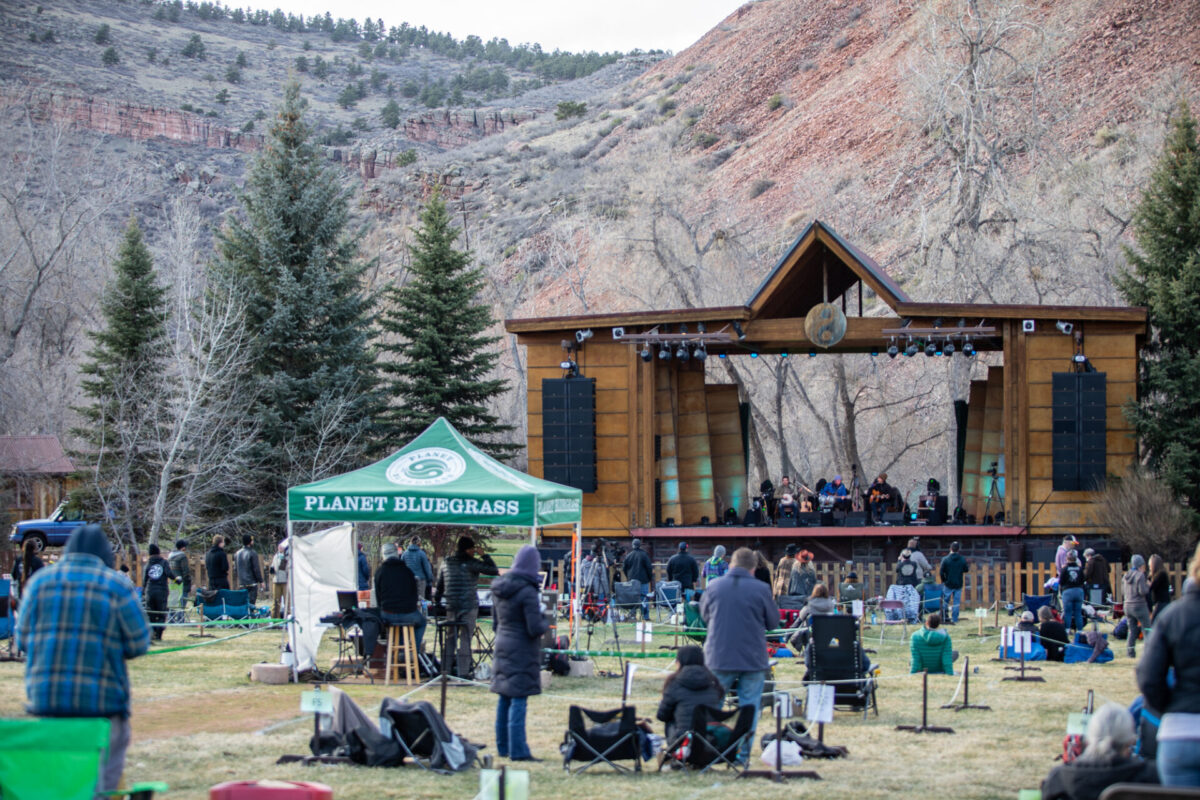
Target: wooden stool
{"x":401,"y":641}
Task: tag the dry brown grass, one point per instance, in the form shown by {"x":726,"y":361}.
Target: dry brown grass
{"x":199,"y":721}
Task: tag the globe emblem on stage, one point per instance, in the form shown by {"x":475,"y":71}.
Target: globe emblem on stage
{"x":430,"y":466}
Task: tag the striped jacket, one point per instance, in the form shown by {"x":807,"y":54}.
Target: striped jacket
{"x":79,"y":621}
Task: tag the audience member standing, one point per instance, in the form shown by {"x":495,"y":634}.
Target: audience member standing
{"x":1106,"y":760}
{"x":80,"y":621}
{"x":156,"y":586}
{"x":1160,"y":586}
{"x":951,"y":570}
{"x":715,"y":567}
{"x":1136,"y":591}
{"x":637,"y":568}
{"x":279,"y":580}
{"x":783,"y":571}
{"x":683,"y":568}
{"x":803,"y":577}
{"x":216,"y":564}
{"x":457,"y":584}
{"x":1174,"y":643}
{"x":1070,"y":587}
{"x":1069,"y":543}
{"x":181,"y":570}
{"x":364,"y":570}
{"x":593,"y":576}
{"x":516,"y":662}
{"x":1095,"y":573}
{"x":918,"y":558}
{"x":738,"y":611}
{"x":249,"y":569}
{"x":418,"y":562}
{"x":28,"y":563}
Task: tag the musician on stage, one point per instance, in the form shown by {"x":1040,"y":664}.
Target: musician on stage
{"x":881,"y":497}
{"x":838,"y":493}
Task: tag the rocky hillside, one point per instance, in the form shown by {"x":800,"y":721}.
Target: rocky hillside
{"x":986,"y":150}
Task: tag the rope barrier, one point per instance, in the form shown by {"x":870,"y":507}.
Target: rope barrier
{"x":176,"y":649}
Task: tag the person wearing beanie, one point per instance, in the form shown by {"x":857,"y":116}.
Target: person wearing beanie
{"x":181,"y":570}
{"x":1070,"y":588}
{"x":836,"y":492}
{"x":1136,"y":590}
{"x":716,"y":566}
{"x":691,"y":685}
{"x":79,"y":623}
{"x":783,"y":572}
{"x":396,"y":593}
{"x":156,"y":588}
{"x":456,"y":587}
{"x":849,"y":591}
{"x":516,"y":655}
{"x":683,"y":568}
{"x":637,"y":567}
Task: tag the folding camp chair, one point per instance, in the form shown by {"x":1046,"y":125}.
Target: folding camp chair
{"x":1034,"y":602}
{"x":613,"y":737}
{"x":931,"y":597}
{"x":835,"y":656}
{"x":627,"y":597}
{"x":424,"y":737}
{"x":694,"y":627}
{"x":896,"y":607}
{"x":225,"y":604}
{"x":6,"y":618}
{"x":57,"y":757}
{"x":708,"y":742}
{"x":668,"y":594}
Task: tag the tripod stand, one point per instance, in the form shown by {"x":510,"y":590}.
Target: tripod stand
{"x":994,"y":495}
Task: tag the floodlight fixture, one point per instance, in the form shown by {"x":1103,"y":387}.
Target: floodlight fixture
{"x":737,"y":328}
{"x":968,"y":349}
{"x":682,"y":353}
{"x":582,"y":336}
{"x":646,"y":354}
{"x":930,"y":349}
{"x":701,"y":353}
{"x":948,"y":348}
{"x":664,"y":352}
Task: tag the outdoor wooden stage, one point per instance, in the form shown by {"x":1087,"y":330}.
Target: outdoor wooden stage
{"x":829,"y":532}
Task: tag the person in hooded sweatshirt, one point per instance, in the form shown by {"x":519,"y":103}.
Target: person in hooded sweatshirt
{"x":516,"y":654}
{"x":156,"y":583}
{"x":1136,"y":590}
{"x":716,"y":566}
{"x":80,"y":620}
{"x":1106,"y":760}
{"x":692,"y":685}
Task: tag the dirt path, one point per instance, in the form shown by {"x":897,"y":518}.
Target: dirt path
{"x":217,"y":711}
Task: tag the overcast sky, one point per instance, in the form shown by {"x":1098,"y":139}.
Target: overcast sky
{"x":575,"y":26}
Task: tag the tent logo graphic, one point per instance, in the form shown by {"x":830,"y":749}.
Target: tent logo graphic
{"x":430,"y":466}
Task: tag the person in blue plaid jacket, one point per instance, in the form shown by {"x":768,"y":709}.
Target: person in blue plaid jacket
{"x":80,"y":620}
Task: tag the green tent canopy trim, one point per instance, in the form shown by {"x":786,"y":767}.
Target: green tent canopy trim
{"x":441,"y":479}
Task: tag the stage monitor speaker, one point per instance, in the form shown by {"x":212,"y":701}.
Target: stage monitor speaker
{"x":895,"y":518}
{"x":855,"y":519}
{"x":808,"y":519}
{"x":569,"y":432}
{"x":786,"y":522}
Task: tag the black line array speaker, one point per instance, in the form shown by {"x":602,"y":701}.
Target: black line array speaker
{"x":569,"y":431}
{"x":1078,"y":419}
{"x":855,"y":519}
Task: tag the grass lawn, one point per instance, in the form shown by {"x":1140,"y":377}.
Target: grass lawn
{"x":198,"y":721}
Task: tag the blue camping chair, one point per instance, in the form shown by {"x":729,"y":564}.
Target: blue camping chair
{"x":6,"y":618}
{"x":227,"y":604}
{"x":1034,"y":602}
{"x":931,"y":598}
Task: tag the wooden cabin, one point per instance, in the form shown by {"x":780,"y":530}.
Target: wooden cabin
{"x":34,"y":471}
{"x":670,"y":451}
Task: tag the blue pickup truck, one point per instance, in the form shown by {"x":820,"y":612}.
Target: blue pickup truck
{"x":52,"y":531}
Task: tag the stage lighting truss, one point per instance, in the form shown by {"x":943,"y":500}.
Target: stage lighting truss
{"x":682,"y":345}
{"x":938,"y":339}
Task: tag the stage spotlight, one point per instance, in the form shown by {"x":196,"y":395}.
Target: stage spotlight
{"x":583,"y":336}
{"x":784,"y":354}
{"x":754,"y":355}
{"x":570,"y":367}
{"x":646,"y":354}
{"x":930,"y":349}
{"x":664,"y":352}
{"x":968,"y":349}
{"x":874,"y":352}
{"x":812,"y":353}
{"x":722,"y":355}
{"x":911,"y":349}
{"x":682,"y":353}
{"x":948,"y":348}
{"x":1065,"y":327}
{"x":893,"y":350}
{"x":701,"y":353}
{"x":737,"y":328}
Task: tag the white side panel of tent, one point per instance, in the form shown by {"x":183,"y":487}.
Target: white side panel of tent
{"x":323,"y":563}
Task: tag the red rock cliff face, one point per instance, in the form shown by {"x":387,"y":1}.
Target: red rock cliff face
{"x":449,"y":130}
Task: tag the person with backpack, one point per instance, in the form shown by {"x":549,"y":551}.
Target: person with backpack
{"x":516,"y":655}
{"x":908,"y":573}
{"x":1070,"y":587}
{"x":952,"y":569}
{"x":156,"y":586}
{"x":716,"y":566}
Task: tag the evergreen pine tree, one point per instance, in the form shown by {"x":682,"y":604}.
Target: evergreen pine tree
{"x":1166,"y":279}
{"x":443,"y":356}
{"x":124,"y":381}
{"x":291,"y":260}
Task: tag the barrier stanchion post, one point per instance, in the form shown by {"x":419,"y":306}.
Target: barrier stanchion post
{"x":778,"y":775}
{"x":966,"y":703}
{"x":924,"y":727}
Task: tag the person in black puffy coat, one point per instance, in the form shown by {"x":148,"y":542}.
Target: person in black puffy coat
{"x":516,"y":655}
{"x":692,"y":685}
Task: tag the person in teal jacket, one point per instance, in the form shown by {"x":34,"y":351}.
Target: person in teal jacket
{"x":930,"y":648}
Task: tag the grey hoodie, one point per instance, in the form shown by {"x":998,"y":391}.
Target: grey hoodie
{"x":1136,"y":589}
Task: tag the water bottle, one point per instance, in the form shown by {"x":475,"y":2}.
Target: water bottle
{"x":872,"y":617}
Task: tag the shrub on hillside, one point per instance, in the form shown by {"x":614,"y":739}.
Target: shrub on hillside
{"x":760,"y":186}
{"x":103,"y":34}
{"x":775,"y":102}
{"x":569,"y":108}
{"x":406,"y":157}
{"x":110,"y":57}
{"x":194,"y":48}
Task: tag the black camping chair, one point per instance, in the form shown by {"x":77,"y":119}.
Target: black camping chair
{"x":835,"y":655}
{"x":627,"y":597}
{"x":613,"y":737}
{"x":425,"y":738}
{"x":702,"y":747}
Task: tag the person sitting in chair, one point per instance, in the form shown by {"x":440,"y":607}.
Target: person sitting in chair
{"x":692,"y":685}
{"x":1052,"y":634}
{"x":1107,"y":759}
{"x":930,"y":649}
{"x":819,"y":603}
{"x":850,"y":590}
{"x":837,"y":493}
{"x":1027,"y":622}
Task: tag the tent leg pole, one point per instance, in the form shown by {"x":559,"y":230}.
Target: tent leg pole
{"x":577,"y":553}
{"x":291,"y":599}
